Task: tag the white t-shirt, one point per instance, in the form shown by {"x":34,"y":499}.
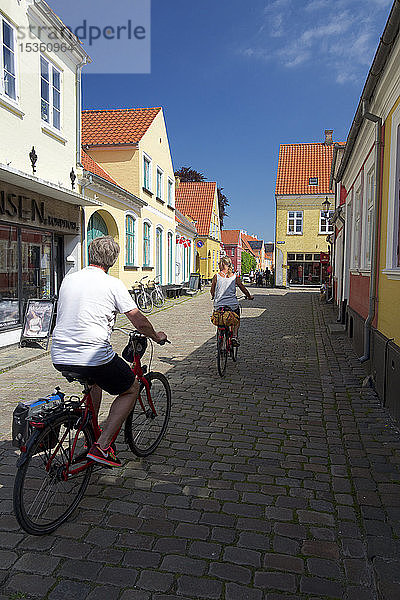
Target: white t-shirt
{"x":89,"y":301}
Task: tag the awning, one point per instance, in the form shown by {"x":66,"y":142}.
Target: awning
{"x":46,"y":188}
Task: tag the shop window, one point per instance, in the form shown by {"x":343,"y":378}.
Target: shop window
{"x":130,"y":240}
{"x":50,"y":83}
{"x":36,"y":264}
{"x":299,"y":256}
{"x":146,"y":245}
{"x":308,"y":257}
{"x":9,"y":304}
{"x":295,"y":222}
{"x":317,"y":257}
{"x":291,"y":257}
{"x":8,"y":80}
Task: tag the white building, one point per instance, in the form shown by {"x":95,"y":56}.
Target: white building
{"x":40,"y":215}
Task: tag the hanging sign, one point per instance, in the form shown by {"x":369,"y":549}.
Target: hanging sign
{"x":199,"y":244}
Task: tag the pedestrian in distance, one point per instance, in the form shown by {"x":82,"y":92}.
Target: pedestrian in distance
{"x":223,"y":292}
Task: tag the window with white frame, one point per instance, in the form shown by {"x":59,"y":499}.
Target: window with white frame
{"x":324,"y":225}
{"x":8,"y":84}
{"x":130,"y":240}
{"x":369,"y":217}
{"x":160,"y":183}
{"x":295,"y":222}
{"x":392,"y":268}
{"x":146,"y":244}
{"x":50,"y":86}
{"x":170,"y":193}
{"x":146,"y":172}
{"x":356,"y":241}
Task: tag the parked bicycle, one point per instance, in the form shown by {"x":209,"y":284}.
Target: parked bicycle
{"x":143,"y":298}
{"x":157,"y":294}
{"x":53,"y":469}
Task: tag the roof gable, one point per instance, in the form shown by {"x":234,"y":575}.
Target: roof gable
{"x":196,"y":200}
{"x":90,"y":165}
{"x":298,"y":163}
{"x":119,"y":126}
{"x":230,"y":236}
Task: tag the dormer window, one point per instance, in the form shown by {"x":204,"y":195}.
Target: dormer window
{"x":313,"y":181}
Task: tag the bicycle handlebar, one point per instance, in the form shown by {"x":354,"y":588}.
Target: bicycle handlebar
{"x":129,"y":331}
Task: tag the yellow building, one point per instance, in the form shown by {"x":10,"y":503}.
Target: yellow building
{"x":302,"y":229}
{"x":131,"y":147}
{"x":368,"y":203}
{"x":198,"y":200}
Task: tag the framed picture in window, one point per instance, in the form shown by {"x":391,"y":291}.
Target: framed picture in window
{"x":37,"y":321}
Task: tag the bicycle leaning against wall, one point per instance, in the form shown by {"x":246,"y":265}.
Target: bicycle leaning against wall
{"x":142,"y":297}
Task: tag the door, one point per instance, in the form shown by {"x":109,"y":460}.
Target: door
{"x":169,"y":257}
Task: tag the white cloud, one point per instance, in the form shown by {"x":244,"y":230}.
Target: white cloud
{"x":339,"y":36}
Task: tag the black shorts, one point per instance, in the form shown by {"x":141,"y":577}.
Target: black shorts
{"x":115,"y":377}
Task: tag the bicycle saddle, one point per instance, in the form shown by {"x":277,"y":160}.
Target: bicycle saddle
{"x":71,"y":376}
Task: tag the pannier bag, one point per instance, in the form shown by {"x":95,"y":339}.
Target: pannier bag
{"x":24,"y":412}
{"x":224,"y":318}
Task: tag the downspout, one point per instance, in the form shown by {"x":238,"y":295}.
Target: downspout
{"x":374,"y":263}
{"x":78,"y":92}
{"x":340,"y":315}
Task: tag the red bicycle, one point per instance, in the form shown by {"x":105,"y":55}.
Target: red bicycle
{"x":53,"y":469}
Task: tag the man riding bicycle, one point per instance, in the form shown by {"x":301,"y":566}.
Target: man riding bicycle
{"x":89,"y":301}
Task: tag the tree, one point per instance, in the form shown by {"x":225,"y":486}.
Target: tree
{"x":249,"y":263}
{"x":189,"y":174}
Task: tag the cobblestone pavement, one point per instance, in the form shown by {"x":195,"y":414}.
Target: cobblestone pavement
{"x":279,"y":481}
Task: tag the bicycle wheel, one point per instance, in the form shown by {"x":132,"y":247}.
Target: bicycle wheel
{"x":43,"y":499}
{"x":144,"y":429}
{"x":144,"y":302}
{"x":222,"y":353}
{"x":157,"y":298}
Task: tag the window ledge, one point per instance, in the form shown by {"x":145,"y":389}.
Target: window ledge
{"x":147,"y":268}
{"x":392,"y":273}
{"x":160,"y":200}
{"x":170,"y":207}
{"x":54,"y":133}
{"x":325,"y":233}
{"x":147,"y":191}
{"x":294,"y":233}
{"x":12,"y":106}
{"x":130,"y":268}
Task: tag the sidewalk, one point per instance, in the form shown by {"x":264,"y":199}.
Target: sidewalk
{"x":14,"y":356}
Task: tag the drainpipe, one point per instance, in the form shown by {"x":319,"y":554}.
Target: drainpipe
{"x":340,"y":315}
{"x":374,"y":262}
{"x":78,"y":92}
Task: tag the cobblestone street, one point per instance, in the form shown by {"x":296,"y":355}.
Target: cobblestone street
{"x":279,"y":481}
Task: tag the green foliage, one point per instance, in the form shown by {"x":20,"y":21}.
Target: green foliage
{"x":248,"y":262}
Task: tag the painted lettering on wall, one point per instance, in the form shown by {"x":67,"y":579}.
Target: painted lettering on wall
{"x":31,"y":210}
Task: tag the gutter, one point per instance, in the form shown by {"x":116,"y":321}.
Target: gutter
{"x":385,"y":47}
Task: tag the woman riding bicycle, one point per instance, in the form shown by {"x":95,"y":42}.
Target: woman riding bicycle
{"x":223,"y":291}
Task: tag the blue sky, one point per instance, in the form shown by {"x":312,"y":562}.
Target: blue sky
{"x":237,"y":78}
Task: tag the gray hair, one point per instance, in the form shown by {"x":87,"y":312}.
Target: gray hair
{"x":103,"y":251}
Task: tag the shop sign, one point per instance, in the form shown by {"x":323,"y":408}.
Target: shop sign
{"x":199,"y":244}
{"x":280,"y":242}
{"x":22,"y":209}
{"x":324,"y":257}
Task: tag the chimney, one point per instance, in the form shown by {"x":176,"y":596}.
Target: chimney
{"x":177,"y":181}
{"x":328,"y":137}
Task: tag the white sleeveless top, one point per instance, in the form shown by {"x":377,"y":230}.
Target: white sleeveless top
{"x":225,"y":292}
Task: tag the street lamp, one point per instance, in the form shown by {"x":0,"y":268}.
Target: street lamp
{"x":326,"y":204}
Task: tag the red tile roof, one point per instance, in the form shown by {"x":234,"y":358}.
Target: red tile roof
{"x":116,"y":126}
{"x":90,"y":165}
{"x":298,"y":163}
{"x":196,"y":199}
{"x":245,"y":243}
{"x":230,"y":236}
